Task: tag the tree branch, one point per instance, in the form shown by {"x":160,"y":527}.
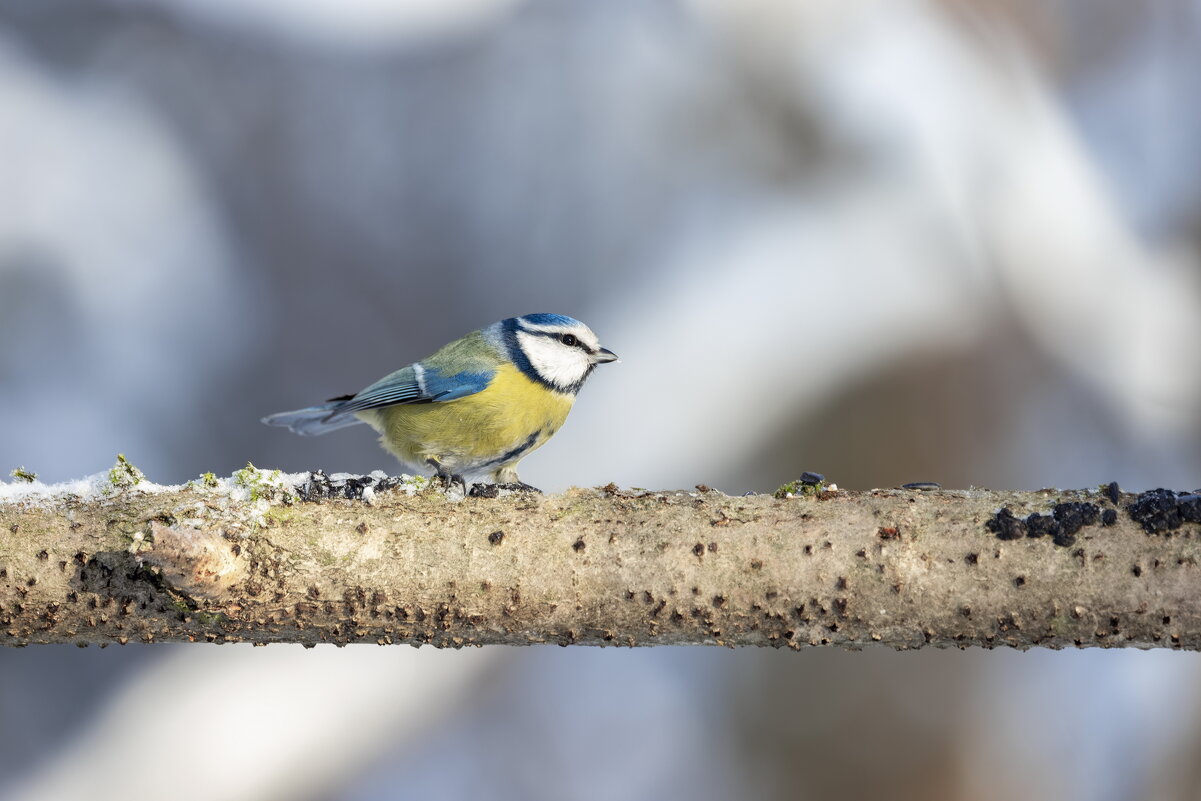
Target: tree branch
{"x":896,"y":567}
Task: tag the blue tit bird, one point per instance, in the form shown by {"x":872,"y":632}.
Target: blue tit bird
{"x":476,"y":406}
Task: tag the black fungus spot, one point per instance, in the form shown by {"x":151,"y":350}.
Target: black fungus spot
{"x":1072,"y":517}
{"x":1137,"y":570}
{"x":1041,"y":525}
{"x":811,"y":478}
{"x":1156,"y":511}
{"x":972,"y":559}
{"x":1109,"y":517}
{"x":1019,"y":581}
{"x":1189,"y":507}
{"x":1006,"y":526}
{"x":578,"y":545}
{"x":1063,"y":539}
{"x":698,"y":549}
{"x":496,"y":537}
{"x":922,"y":486}
{"x":1113,"y":492}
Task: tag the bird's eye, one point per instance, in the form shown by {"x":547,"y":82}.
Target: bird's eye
{"x":569,"y":340}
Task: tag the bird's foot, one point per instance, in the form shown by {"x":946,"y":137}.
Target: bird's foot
{"x":452,"y":480}
{"x":445,"y":477}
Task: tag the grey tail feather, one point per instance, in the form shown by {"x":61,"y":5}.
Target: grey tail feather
{"x":312,"y":421}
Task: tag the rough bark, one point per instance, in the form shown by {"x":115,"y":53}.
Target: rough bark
{"x":895,"y":567}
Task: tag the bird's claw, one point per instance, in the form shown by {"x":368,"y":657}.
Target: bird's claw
{"x":451,"y":480}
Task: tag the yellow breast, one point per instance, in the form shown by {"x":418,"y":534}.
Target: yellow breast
{"x":496,"y":426}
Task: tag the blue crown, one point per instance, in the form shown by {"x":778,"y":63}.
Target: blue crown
{"x":550,"y":319}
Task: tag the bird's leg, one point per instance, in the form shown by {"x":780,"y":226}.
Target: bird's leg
{"x":506,"y":478}
{"x":447,"y":478}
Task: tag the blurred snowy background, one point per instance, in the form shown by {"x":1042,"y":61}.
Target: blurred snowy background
{"x":890,"y":240}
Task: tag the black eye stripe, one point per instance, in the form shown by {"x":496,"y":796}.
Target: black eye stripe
{"x":579,"y":343}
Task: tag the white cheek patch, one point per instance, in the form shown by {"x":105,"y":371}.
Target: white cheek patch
{"x":554,"y":361}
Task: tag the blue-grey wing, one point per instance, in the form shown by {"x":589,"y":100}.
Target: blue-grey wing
{"x":462,"y":368}
{"x":414,"y":384}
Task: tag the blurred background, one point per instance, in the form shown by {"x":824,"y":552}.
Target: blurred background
{"x":888,"y":240}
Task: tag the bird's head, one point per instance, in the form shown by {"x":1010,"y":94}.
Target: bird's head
{"x":557,"y":351}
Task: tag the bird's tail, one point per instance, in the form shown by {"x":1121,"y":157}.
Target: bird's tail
{"x":314,"y":420}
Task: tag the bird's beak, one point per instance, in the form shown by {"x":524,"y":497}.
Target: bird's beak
{"x":604,"y":355}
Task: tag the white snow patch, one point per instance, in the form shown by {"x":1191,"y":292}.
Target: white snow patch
{"x":247,"y":485}
{"x":97,"y":485}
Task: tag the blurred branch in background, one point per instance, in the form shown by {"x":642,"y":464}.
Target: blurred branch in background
{"x":287,"y":724}
{"x":890,"y":240}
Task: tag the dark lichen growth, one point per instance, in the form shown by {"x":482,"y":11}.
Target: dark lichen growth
{"x":1006,"y":526}
{"x":922,"y":486}
{"x":1156,"y":511}
{"x":1189,"y":507}
{"x":1109,"y":517}
{"x":1041,"y":525}
{"x":318,"y":485}
{"x":499,"y":490}
{"x":1061,"y":524}
{"x":1113,"y":492}
{"x":21,"y":474}
{"x":1072,"y":517}
{"x":496,"y":537}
